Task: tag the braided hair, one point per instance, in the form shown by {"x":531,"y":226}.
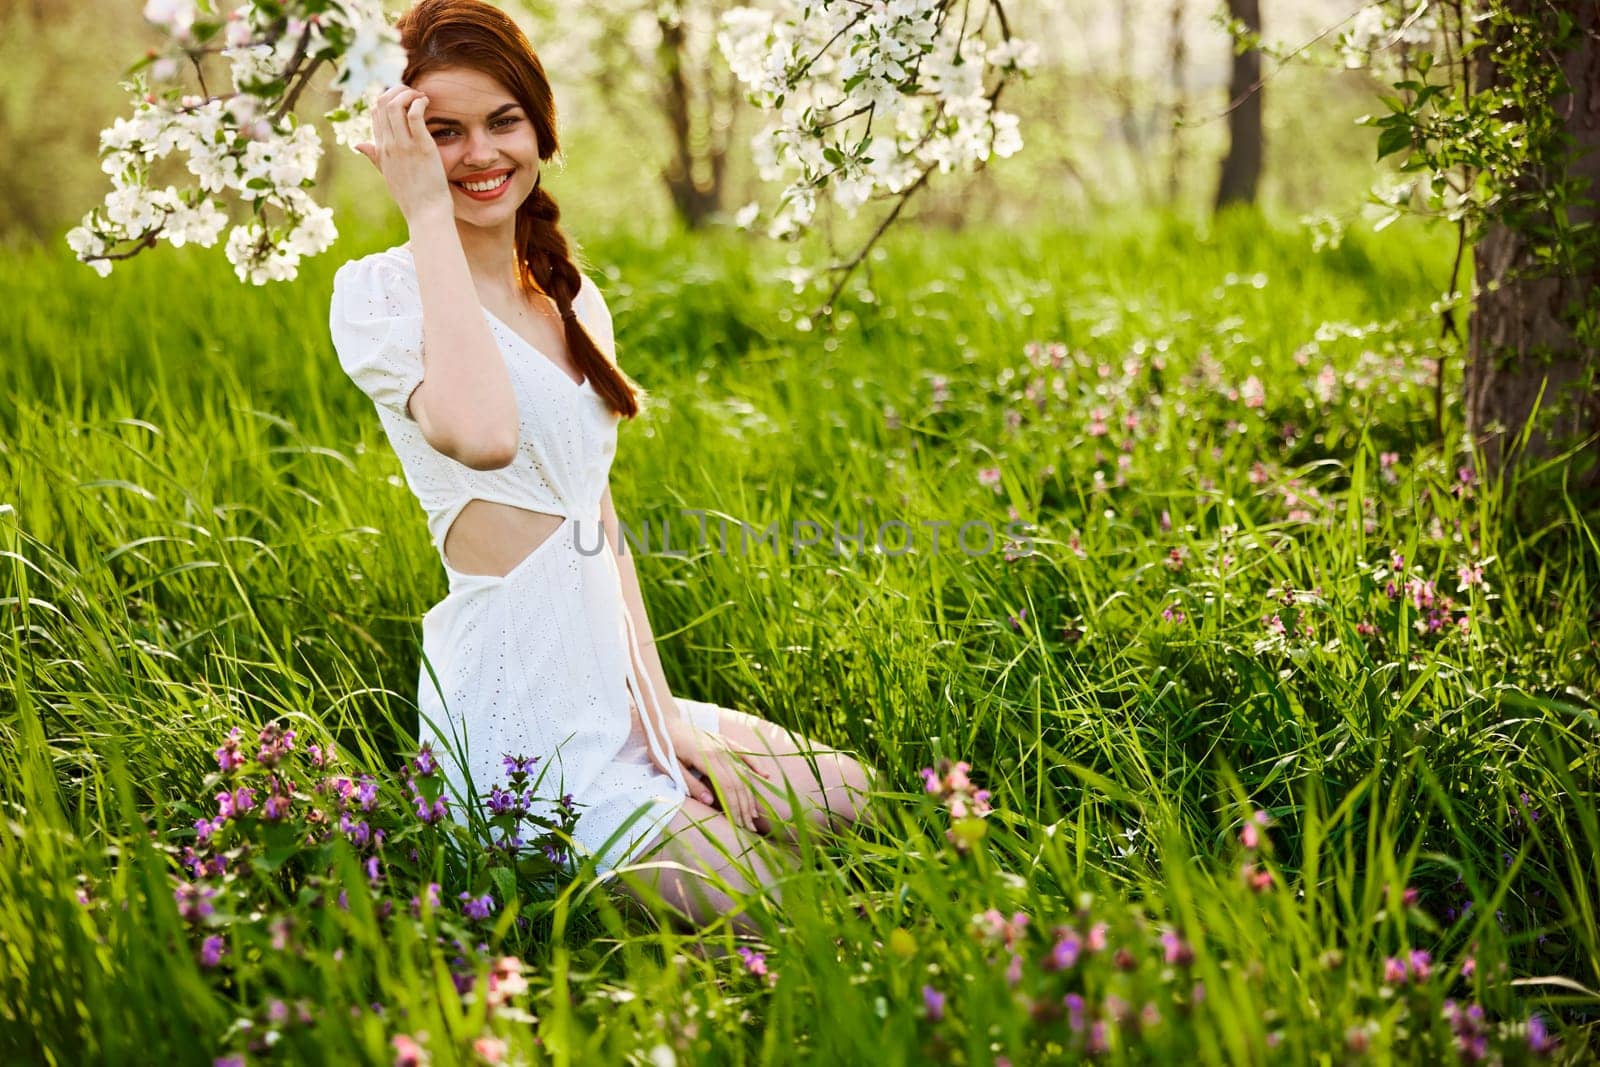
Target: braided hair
{"x":471,"y":33}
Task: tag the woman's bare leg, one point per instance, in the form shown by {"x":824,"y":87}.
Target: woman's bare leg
{"x":830,"y":786}
{"x":700,"y":849}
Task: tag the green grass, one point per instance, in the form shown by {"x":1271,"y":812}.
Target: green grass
{"x":206,"y":529}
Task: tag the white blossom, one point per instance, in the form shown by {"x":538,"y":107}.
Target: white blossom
{"x":200,"y":224}
{"x":176,"y":17}
{"x":796,"y":60}
{"x":375,"y":56}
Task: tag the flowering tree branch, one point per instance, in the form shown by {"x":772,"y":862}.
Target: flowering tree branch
{"x":244,"y":146}
{"x":821,"y":64}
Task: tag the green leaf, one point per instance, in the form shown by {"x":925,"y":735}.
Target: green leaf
{"x":505,"y":883}
{"x":1394,"y":139}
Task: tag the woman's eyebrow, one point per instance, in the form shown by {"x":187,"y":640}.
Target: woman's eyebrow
{"x":496,"y":113}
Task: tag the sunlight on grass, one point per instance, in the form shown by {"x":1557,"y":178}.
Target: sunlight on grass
{"x":1283,"y":718}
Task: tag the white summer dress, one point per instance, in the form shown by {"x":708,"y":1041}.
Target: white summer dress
{"x":542,"y":660}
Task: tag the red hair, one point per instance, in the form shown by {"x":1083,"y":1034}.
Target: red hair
{"x":477,"y":35}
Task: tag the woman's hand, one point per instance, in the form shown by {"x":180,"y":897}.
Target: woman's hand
{"x":715,"y":757}
{"x":405,"y":154}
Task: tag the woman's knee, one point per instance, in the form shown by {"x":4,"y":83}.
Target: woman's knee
{"x":704,"y":864}
{"x":847,"y":796}
{"x":832,"y":786}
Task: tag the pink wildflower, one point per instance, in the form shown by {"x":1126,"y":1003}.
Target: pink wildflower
{"x":1250,"y":836}
{"x":228,"y":756}
{"x":407,"y":1053}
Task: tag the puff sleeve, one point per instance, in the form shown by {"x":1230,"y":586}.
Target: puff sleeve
{"x":376,"y":321}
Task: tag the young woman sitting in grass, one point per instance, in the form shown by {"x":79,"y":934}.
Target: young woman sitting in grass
{"x":491,"y":360}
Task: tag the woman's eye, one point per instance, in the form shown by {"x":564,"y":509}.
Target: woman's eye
{"x":509,"y":120}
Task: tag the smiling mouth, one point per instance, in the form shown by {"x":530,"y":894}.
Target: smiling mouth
{"x":486,"y":186}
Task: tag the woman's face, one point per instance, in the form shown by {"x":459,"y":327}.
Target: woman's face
{"x":485,"y":139}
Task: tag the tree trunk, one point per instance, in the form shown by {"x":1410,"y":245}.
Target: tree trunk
{"x":1241,"y":169}
{"x":696,"y":199}
{"x":1520,"y":337}
{"x":1178,"y":47}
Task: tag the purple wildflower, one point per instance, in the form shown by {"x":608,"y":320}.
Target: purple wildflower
{"x":1540,"y":1041}
{"x":754,"y":962}
{"x":276,"y":807}
{"x":358,"y":832}
{"x":1064,"y":954}
{"x":425,"y":764}
{"x":211,"y":951}
{"x":276,"y":743}
{"x":1074,"y":1003}
{"x":194,"y":901}
{"x":1177,"y":951}
{"x":516,"y":765}
{"x":933,"y":1002}
{"x":432,"y":896}
{"x":500,"y":800}
{"x":430,"y":813}
{"x":228,"y":756}
{"x":477,"y":907}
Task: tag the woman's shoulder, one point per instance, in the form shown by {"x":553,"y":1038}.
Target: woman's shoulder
{"x":383,"y":272}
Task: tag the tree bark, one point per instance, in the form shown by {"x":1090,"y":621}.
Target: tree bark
{"x":696,"y":199}
{"x":1178,"y":47}
{"x":1241,"y":168}
{"x":1521,"y":339}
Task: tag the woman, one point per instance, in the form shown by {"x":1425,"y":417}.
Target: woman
{"x":491,"y":361}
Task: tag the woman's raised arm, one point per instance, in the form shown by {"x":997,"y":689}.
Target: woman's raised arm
{"x":465,"y":405}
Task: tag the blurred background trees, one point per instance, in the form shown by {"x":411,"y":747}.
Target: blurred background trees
{"x":1129,"y":111}
{"x":1138,"y":106}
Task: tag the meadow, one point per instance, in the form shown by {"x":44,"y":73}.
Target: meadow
{"x":1274,"y":736}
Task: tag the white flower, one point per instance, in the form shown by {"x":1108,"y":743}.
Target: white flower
{"x":84,"y":242}
{"x":1023,"y":55}
{"x":238,"y":32}
{"x":201,"y":224}
{"x":174,"y":16}
{"x":747,"y":215}
{"x":375,"y":56}
{"x":1369,"y":24}
{"x":851,"y":193}
{"x":253,"y":65}
{"x":1007,"y":141}
{"x":135,"y":209}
